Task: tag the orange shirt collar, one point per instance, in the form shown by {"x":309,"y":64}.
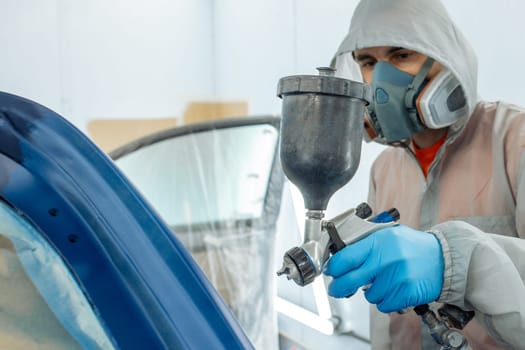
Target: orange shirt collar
{"x":425,"y":156}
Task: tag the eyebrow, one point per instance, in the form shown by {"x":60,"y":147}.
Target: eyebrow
{"x":366,"y":56}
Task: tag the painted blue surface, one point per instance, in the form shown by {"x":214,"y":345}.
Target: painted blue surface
{"x":142,"y":283}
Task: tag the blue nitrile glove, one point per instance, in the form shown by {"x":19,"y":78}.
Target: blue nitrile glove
{"x":404,"y":267}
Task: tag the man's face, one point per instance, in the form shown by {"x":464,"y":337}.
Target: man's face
{"x":408,"y":61}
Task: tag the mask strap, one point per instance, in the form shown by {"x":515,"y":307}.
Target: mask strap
{"x":412,"y":92}
{"x":413,"y":88}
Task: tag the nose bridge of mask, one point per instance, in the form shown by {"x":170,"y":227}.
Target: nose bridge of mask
{"x":386,"y":72}
{"x":387,"y":81}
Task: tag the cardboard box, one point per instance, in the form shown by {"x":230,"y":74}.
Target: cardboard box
{"x":110,"y":134}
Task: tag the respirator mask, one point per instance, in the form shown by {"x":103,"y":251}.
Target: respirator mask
{"x":404,"y":105}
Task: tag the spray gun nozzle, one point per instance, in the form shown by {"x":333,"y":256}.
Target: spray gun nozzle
{"x":283,"y":271}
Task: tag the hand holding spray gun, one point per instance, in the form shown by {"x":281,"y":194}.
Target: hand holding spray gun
{"x":320,"y":146}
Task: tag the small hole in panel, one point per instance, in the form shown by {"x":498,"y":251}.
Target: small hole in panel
{"x":72,"y":238}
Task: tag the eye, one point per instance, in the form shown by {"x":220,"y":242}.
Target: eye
{"x":367,"y":64}
{"x":403,"y":55}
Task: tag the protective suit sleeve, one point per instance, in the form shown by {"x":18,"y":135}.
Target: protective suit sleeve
{"x":519,"y":194}
{"x":485,"y":273}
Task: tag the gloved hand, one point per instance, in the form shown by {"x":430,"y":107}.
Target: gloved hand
{"x":404,"y":267}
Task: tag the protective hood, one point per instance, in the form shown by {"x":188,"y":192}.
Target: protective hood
{"x":420,"y":25}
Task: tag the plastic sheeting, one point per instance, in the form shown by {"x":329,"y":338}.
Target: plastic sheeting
{"x":219,"y":185}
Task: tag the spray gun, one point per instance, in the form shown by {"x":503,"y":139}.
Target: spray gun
{"x":302,"y":264}
{"x":320,"y":149}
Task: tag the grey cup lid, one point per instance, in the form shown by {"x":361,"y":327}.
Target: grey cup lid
{"x":325,"y":83}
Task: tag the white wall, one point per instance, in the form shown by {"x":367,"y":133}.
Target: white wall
{"x":116,"y":59}
{"x":494,"y":28}
{"x":29,"y":59}
{"x":254,"y":42}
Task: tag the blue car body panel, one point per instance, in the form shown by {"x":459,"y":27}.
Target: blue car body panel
{"x":143,"y":284}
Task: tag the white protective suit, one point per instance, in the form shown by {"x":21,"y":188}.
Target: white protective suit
{"x":474,"y":195}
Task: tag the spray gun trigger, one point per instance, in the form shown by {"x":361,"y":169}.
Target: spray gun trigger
{"x":337,"y":242}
